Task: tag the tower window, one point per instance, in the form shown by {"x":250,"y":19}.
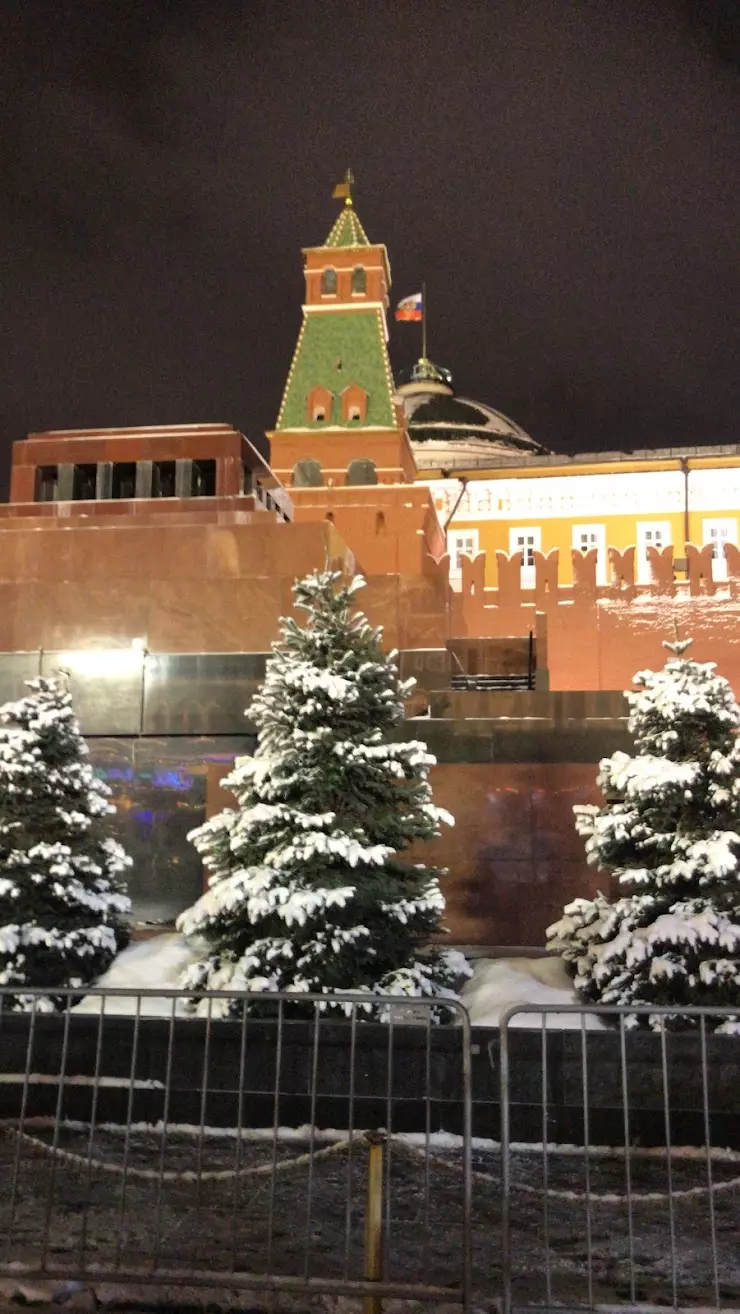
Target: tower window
{"x":354,"y":404}
{"x":319,"y":404}
{"x":362,"y":471}
{"x":307,"y":474}
{"x":329,"y":283}
{"x":359,"y":280}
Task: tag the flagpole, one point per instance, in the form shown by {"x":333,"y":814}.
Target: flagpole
{"x":423,"y":321}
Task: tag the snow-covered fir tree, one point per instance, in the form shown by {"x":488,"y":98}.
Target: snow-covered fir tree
{"x":63,"y":908}
{"x":308,"y":889}
{"x":669,"y":832}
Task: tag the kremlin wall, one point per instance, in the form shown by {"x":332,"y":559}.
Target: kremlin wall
{"x":522,"y":589}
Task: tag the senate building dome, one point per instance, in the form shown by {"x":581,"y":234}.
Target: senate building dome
{"x":450,"y":432}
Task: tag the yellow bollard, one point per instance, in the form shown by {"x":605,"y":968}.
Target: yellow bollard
{"x":374,"y":1218}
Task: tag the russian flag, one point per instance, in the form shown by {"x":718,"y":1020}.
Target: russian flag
{"x":411,"y":308}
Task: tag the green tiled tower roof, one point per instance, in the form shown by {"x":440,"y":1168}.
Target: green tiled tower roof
{"x":336,"y":348}
{"x":347,"y":229}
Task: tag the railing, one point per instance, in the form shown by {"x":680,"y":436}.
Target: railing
{"x":499,"y":680}
{"x":307,"y":1152}
{"x":490,"y":683}
{"x":152,"y":1149}
{"x":647,"y":1223}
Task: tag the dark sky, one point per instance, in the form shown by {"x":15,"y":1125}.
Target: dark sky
{"x":564,"y":174}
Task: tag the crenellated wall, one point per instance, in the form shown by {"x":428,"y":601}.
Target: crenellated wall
{"x":591,"y":636}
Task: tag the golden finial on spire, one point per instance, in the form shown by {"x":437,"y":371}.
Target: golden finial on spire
{"x":343,"y":190}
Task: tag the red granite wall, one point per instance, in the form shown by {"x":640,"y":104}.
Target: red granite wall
{"x":513,"y":856}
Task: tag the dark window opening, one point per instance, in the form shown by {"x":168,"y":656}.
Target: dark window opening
{"x":329,"y":283}
{"x":247,"y":478}
{"x":204,"y":478}
{"x":124,"y":479}
{"x":307,"y":474}
{"x":362,"y":472}
{"x":47,"y":483}
{"x":319,"y":414}
{"x":163,"y":479}
{"x":359,"y":280}
{"x":83,"y":484}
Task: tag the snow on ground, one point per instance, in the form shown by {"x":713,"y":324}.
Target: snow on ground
{"x":499,"y":983}
{"x":496,"y":985}
{"x":154,"y":964}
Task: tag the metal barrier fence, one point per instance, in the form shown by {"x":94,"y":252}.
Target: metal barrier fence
{"x":649,"y":1222}
{"x":152,"y":1150}
{"x":298,"y":1152}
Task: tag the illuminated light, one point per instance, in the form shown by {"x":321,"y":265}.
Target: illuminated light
{"x":101,"y":662}
{"x":172,"y":779}
{"x":144,"y":816}
{"x":138,"y":644}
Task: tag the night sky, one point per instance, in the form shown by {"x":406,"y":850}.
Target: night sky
{"x":563,"y":173}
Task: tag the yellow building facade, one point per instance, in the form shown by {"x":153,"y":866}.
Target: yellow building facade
{"x":497,"y":489}
{"x":649,"y":499}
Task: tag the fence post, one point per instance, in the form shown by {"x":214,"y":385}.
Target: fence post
{"x":504,"y":1096}
{"x":374,"y":1218}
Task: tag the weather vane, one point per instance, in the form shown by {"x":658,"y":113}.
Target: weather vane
{"x":343,"y":190}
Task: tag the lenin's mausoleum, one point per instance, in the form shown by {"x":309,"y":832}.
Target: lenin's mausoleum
{"x":522,"y":589}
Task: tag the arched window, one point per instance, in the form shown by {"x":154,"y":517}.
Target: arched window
{"x":362,"y":471}
{"x":307,"y":474}
{"x":359,"y":279}
{"x":329,"y":283}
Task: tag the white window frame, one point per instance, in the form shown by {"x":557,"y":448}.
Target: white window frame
{"x":596,"y":536}
{"x":716,"y":530}
{"x":460,"y":543}
{"x":647,"y":536}
{"x":533,"y":532}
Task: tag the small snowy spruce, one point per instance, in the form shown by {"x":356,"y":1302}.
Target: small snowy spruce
{"x":63,"y":908}
{"x":669,"y":831}
{"x":307,"y":890}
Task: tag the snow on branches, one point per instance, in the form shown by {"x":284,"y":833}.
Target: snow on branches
{"x":63,"y":908}
{"x":308,"y":889}
{"x":670,"y":832}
